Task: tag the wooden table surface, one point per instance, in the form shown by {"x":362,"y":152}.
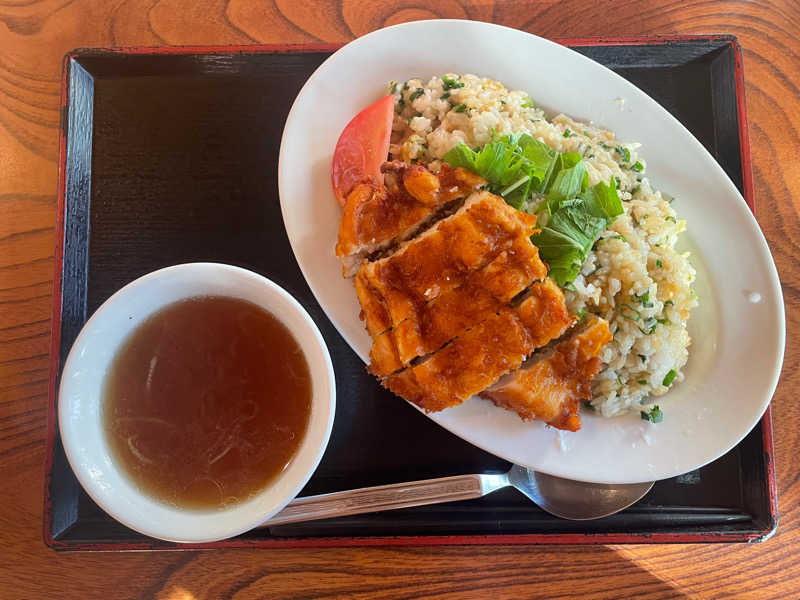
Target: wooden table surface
{"x":35,"y":34}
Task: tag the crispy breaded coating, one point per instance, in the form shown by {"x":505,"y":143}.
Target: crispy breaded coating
{"x":484,"y":293}
{"x":456,"y":306}
{"x":479,"y":357}
{"x":376,"y":217}
{"x":550,"y":387}
{"x":442,"y":257}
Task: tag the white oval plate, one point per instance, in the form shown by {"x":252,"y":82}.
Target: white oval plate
{"x":738,"y":344}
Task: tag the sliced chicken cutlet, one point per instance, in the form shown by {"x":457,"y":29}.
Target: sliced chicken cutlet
{"x":466,"y":366}
{"x":543,"y":312}
{"x":483,"y":294}
{"x":431,"y":189}
{"x":480,"y":356}
{"x":549,"y":387}
{"x":438,"y":260}
{"x":377,"y":217}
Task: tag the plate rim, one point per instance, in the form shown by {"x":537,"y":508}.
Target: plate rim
{"x":663,"y":473}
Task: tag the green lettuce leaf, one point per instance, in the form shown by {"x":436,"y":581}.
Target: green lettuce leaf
{"x":602,"y":201}
{"x":569,"y":181}
{"x":461,"y":156}
{"x":573,"y":214}
{"x":514,"y":165}
{"x":542,"y":159}
{"x":566,"y":241}
{"x":570,"y":225}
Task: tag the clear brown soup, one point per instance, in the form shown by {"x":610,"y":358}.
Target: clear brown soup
{"x":207,"y":402}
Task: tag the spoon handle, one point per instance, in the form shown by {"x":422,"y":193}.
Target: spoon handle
{"x":386,"y":497}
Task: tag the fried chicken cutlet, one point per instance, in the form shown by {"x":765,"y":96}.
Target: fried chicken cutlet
{"x":550,"y":386}
{"x":481,"y":355}
{"x":392,"y":289}
{"x":484,"y":293}
{"x":377,"y":217}
{"x":458,"y":302}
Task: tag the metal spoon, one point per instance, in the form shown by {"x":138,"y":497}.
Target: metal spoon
{"x":560,"y":497}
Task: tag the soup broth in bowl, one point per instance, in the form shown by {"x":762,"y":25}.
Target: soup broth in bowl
{"x":196,"y":402}
{"x":207,"y":402}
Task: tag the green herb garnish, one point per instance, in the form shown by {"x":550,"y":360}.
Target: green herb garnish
{"x":572,"y":215}
{"x":568,"y":133}
{"x":567,"y":180}
{"x":637,"y":166}
{"x":514,"y":165}
{"x":445,"y":96}
{"x":649,"y":326}
{"x":624,"y":153}
{"x":659,"y":264}
{"x":572,"y":224}
{"x":655,"y":415}
{"x":415,"y":94}
{"x":642,"y":382}
{"x":527,"y":104}
{"x":668,"y":378}
{"x":644,"y":299}
{"x":448,"y":83}
{"x":632,"y":315}
{"x":460,"y":108}
{"x":566,"y":240}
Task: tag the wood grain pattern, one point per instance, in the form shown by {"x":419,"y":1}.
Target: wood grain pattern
{"x":35,"y":34}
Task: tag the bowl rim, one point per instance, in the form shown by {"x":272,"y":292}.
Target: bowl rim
{"x":192,"y":525}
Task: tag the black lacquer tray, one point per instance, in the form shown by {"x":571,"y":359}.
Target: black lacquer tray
{"x":170,"y":155}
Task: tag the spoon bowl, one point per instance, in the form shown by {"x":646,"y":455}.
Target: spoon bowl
{"x":575,"y":500}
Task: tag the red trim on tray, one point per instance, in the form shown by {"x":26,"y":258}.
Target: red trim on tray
{"x":437,"y":540}
{"x":333,"y":46}
{"x":55,"y":320}
{"x":644,"y":40}
{"x":237,"y":49}
{"x":744,"y":130}
{"x":769,"y":460}
{"x":748,"y":186}
{"x":434,"y":540}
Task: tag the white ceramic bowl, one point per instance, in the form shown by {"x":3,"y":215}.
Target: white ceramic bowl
{"x":80,"y":398}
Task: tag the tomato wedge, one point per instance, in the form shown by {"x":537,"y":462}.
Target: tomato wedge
{"x":362,"y":148}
